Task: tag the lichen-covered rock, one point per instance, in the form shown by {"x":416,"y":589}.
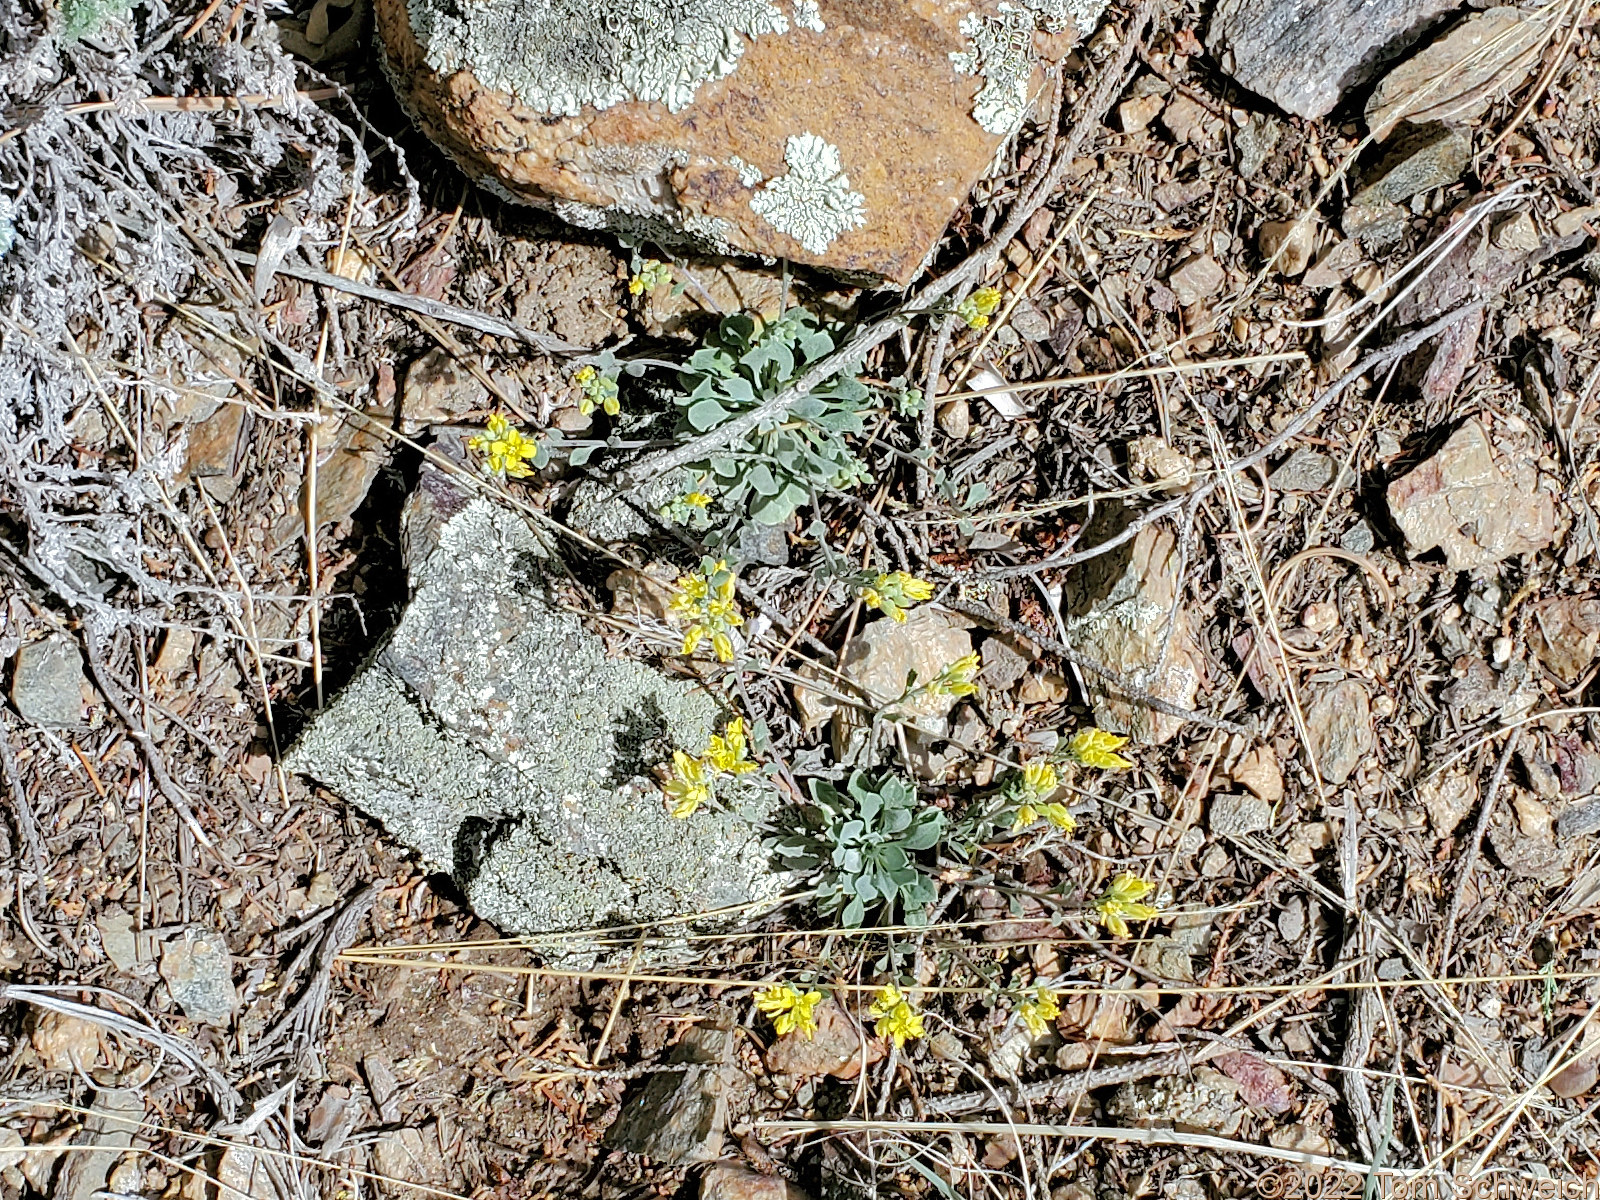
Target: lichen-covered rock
{"x":1339,"y":726}
{"x":1490,"y":54}
{"x":681,"y":1116}
{"x":837,"y":132}
{"x":1123,"y":612}
{"x":495,"y":736}
{"x":1305,"y":56}
{"x":1479,"y":502}
{"x":1207,"y":1102}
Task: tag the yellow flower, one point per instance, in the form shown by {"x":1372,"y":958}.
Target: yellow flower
{"x":705,"y":602}
{"x":690,"y":785}
{"x":505,"y":449}
{"x":1056,"y":814}
{"x":1040,"y":780}
{"x":651,"y":275}
{"x":977,"y":308}
{"x":690,"y":597}
{"x":598,"y":391}
{"x":695,"y":499}
{"x":895,"y":592}
{"x":1032,"y":790}
{"x":957,"y":678}
{"x":791,"y":1010}
{"x":1039,"y":1010}
{"x":728,"y":752}
{"x":1096,"y":748}
{"x":896,"y":1018}
{"x":1119,"y":903}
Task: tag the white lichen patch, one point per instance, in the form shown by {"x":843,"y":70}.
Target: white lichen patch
{"x":1000,"y":49}
{"x":808,"y":16}
{"x":749,"y":174}
{"x":560,"y":56}
{"x":813,"y":202}
{"x":689,"y":233}
{"x":1056,"y":15}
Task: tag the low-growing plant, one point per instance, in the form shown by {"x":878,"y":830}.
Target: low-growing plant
{"x":862,"y":844}
{"x":85,"y":18}
{"x":790,"y":458}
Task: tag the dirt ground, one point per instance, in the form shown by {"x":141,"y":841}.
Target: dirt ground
{"x":1367,"y":816}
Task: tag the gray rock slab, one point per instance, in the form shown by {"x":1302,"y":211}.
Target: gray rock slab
{"x":1428,"y":157}
{"x":1236,"y":815}
{"x":1478,"y":502}
{"x":765,"y":544}
{"x":1303,"y":471}
{"x":494,"y":735}
{"x":681,"y":1116}
{"x":1120,"y":613}
{"x":199,"y":973}
{"x":1339,"y":723}
{"x":114,"y":1115}
{"x":47,"y":684}
{"x":1303,"y":55}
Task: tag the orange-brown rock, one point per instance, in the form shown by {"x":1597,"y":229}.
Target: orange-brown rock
{"x":844,"y":139}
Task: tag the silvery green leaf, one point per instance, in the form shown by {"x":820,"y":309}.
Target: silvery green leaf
{"x":923,"y":837}
{"x":815,"y":345}
{"x":840,"y":420}
{"x":706,"y":414}
{"x":739,"y":389}
{"x":760,"y":477}
{"x":773,"y":510}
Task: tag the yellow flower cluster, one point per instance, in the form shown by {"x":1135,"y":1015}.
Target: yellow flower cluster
{"x":957,"y":678}
{"x":791,"y":1010}
{"x":1097,"y":748}
{"x":598,"y":391}
{"x":896,"y":592}
{"x":651,"y":275}
{"x":705,"y":601}
{"x":691,"y":509}
{"x":1032,"y":791}
{"x":729,"y":752}
{"x":1119,"y":903}
{"x":1039,"y":1009}
{"x":504,"y":448}
{"x":689,"y":783}
{"x":977,"y":308}
{"x":897,"y":1019}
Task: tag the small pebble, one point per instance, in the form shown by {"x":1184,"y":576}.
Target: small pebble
{"x":1358,"y":539}
{"x":1320,"y":617}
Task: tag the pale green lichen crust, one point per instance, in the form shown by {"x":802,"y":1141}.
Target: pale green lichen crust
{"x":496,"y":736}
{"x":749,"y":174}
{"x":1000,"y":49}
{"x":559,"y":56}
{"x":808,"y":16}
{"x":812,"y":202}
{"x":1056,"y":15}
